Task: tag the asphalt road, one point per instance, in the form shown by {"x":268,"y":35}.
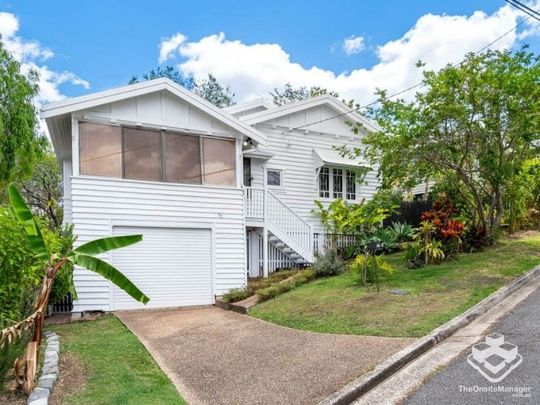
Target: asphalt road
{"x":460,"y":383}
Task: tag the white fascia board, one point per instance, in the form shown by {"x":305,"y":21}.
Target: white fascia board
{"x":248,"y":105}
{"x":340,"y":107}
{"x":150,"y":86}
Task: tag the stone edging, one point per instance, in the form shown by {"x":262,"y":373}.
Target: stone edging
{"x":49,"y":372}
{"x":363,"y":384}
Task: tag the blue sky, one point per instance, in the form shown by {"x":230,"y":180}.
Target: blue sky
{"x":103,"y":43}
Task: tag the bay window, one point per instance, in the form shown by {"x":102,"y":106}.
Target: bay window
{"x":337,"y":182}
{"x":153,"y":155}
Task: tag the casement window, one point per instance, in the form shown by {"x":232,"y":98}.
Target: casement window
{"x":324,"y":182}
{"x":274,"y":177}
{"x":350,"y":185}
{"x":144,"y":154}
{"x":337,"y":182}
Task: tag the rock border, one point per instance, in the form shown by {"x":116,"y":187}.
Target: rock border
{"x":49,"y":372}
{"x":363,"y":384}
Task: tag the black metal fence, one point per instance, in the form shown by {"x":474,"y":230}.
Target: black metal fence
{"x":64,"y":305}
{"x":410,"y":212}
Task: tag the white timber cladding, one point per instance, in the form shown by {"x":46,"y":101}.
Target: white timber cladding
{"x":101,"y":204}
{"x":294,"y":155}
{"x":172,"y":266}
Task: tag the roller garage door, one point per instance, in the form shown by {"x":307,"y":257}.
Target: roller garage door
{"x":172,"y":266}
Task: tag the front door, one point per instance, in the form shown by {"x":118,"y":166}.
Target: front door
{"x":247,"y":172}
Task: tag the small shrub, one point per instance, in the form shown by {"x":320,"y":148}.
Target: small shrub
{"x":328,"y":264}
{"x":294,"y":281}
{"x":236,"y":294}
{"x":402,"y":232}
{"x":368,"y":268}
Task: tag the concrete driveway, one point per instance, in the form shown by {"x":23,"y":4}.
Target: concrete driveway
{"x":215,"y":356}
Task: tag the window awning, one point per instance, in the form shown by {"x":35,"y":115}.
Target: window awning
{"x":334,"y":158}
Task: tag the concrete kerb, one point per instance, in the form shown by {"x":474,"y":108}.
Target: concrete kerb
{"x":363,"y":384}
{"x":49,"y":372}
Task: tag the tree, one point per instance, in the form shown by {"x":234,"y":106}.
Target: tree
{"x":209,"y":89}
{"x":85,"y":256}
{"x":43,"y":191}
{"x":472,"y":127}
{"x":290,"y":94}
{"x":170,"y":72}
{"x":20,"y":143}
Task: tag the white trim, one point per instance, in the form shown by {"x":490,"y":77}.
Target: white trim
{"x":134,"y":90}
{"x":331,"y":184}
{"x":248,"y":105}
{"x":311,"y":102}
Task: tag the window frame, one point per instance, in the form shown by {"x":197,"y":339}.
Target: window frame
{"x":331,"y":191}
{"x":162,"y":132}
{"x":281,"y":178}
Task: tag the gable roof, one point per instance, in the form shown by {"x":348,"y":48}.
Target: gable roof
{"x":134,"y":90}
{"x":262,"y":102}
{"x":325,"y":99}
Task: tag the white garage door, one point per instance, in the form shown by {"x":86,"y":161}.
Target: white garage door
{"x":171,"y":266}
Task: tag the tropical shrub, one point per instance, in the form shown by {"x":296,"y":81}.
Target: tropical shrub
{"x":427,"y":247}
{"x":446,"y":228}
{"x":328,"y":264}
{"x":20,"y":272}
{"x":368,"y":268}
{"x":402,"y":231}
{"x":45,"y":265}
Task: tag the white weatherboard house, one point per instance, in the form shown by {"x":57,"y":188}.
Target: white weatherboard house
{"x":218,"y":194}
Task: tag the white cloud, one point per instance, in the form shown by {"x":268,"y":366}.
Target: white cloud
{"x":31,"y":54}
{"x":168,"y":46}
{"x":353,"y":44}
{"x":253,"y":70}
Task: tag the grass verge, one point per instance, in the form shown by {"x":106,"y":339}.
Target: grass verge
{"x":434,"y":294}
{"x":116,"y":367}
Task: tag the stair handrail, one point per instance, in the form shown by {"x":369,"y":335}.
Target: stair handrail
{"x":307,"y":244}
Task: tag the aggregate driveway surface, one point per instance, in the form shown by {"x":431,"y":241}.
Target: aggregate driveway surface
{"x":215,"y":356}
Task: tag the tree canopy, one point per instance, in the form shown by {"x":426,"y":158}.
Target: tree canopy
{"x":20,"y":142}
{"x":291,"y":94}
{"x":473,"y":126}
{"x":209,"y":88}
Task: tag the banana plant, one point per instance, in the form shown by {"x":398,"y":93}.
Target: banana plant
{"x":83,"y":256}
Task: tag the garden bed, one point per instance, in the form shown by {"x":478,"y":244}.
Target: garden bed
{"x":411,"y":302}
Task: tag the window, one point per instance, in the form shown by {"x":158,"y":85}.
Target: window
{"x":219,"y":162}
{"x":247,"y":172}
{"x":182,"y":158}
{"x":351,"y":185}
{"x":324,"y":182}
{"x":340,"y":183}
{"x":273,"y":177}
{"x":100,"y":150}
{"x":142,"y":154}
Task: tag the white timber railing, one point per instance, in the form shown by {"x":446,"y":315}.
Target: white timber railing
{"x":254,"y":202}
{"x":262,"y":204}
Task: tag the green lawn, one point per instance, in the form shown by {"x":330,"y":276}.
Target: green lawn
{"x":116,"y":367}
{"x":437,"y":293}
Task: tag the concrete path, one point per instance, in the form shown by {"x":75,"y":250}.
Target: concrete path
{"x":460,"y":383}
{"x":215,"y":356}
{"x":409,"y":379}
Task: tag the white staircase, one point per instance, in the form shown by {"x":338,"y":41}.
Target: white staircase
{"x":288,"y":232}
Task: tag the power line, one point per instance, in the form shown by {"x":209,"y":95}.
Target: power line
{"x":419,"y":84}
{"x":526,"y":9}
